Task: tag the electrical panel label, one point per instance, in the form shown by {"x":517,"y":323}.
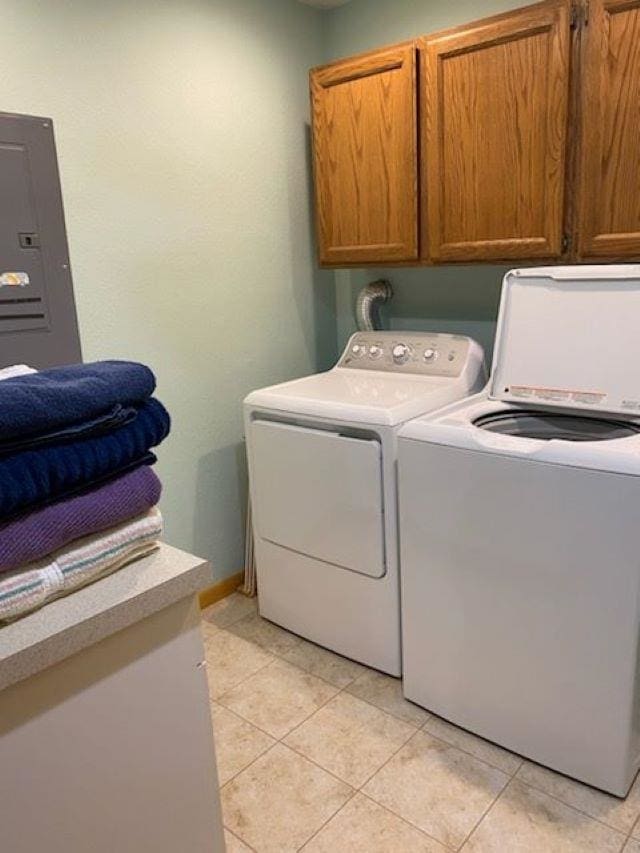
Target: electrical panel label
{"x":14,"y":279}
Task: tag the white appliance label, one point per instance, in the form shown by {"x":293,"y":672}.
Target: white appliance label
{"x":558,"y":395}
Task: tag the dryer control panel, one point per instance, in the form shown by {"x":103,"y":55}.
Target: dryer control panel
{"x":423,"y":353}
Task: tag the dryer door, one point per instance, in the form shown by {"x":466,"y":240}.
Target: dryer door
{"x":319,"y":493}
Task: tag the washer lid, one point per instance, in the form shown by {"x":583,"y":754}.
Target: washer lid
{"x":569,"y":337}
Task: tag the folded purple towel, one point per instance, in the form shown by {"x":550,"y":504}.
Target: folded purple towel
{"x":42,"y":531}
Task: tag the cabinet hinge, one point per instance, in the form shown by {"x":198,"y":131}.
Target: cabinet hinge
{"x":575,"y":15}
{"x":579,"y":14}
{"x":566,"y":243}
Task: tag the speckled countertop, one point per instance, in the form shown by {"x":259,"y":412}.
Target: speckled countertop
{"x":85,"y":617}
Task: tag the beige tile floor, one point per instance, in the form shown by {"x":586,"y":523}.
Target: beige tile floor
{"x":321,"y":754}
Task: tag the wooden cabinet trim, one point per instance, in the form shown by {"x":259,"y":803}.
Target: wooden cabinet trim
{"x":362,"y":68}
{"x":507,"y":249}
{"x":357,"y":58}
{"x":533,"y":11}
{"x":490,"y":31}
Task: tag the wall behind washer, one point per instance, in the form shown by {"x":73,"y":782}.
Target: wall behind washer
{"x":460,"y":298}
{"x":182,"y":132}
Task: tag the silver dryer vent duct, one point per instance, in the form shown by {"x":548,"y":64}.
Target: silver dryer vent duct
{"x":370,"y":298}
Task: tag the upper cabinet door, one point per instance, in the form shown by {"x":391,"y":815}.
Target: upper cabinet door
{"x":494,"y":103}
{"x":365,"y":159}
{"x":609,"y":176}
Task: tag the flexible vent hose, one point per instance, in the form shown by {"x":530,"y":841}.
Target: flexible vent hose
{"x":368,"y":305}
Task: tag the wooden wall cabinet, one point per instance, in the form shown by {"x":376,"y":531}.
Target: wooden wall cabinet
{"x":493,"y":112}
{"x":608,"y":183}
{"x":529,"y":143}
{"x":365,"y":157}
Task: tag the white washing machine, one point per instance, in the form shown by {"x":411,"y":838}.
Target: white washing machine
{"x":520,"y":532}
{"x":322,"y":466}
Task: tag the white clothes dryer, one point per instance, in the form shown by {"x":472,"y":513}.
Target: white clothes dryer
{"x":520,"y":541}
{"x":322,"y":470}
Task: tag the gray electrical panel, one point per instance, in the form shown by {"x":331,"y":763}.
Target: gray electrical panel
{"x":38,"y":323}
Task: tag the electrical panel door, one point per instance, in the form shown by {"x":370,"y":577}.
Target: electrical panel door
{"x":38,"y":324}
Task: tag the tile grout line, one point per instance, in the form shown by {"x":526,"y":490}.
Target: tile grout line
{"x":308,"y":671}
{"x":511,"y":775}
{"x":354,"y":790}
{"x":250,"y":764}
{"x":282,"y":657}
{"x":306,"y":720}
{"x":241,"y":840}
{"x":320,"y":767}
{"x":384,"y":764}
{"x":630,"y":835}
{"x":571,"y":806}
{"x":253,"y":760}
{"x":485,"y":813}
{"x":245,"y":720}
{"x":510,"y":778}
{"x":514,"y":777}
{"x":218,"y":701}
{"x":405,"y":820}
{"x":344,"y":782}
{"x":354,"y":793}
{"x":218,"y":698}
{"x":233,"y":621}
{"x":344,"y":688}
{"x":416,"y":726}
{"x":280,"y":740}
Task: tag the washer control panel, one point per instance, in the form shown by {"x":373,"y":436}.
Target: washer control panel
{"x":425,"y":353}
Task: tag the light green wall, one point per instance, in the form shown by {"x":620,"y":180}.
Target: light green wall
{"x":182,"y":133}
{"x":462,"y":298}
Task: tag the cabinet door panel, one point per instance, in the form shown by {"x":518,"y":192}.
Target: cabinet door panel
{"x":609,"y":218}
{"x":365,"y":160}
{"x":494,"y":101}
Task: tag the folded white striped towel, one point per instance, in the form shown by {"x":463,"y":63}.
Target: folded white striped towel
{"x":80,"y":563}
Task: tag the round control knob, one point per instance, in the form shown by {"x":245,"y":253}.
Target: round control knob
{"x":400,"y":353}
{"x":375,"y":351}
{"x":430,"y":354}
{"x":357,"y":350}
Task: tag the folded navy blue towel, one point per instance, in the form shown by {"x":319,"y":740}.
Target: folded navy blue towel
{"x":117,"y":416}
{"x":40,"y":403}
{"x":36,"y":477}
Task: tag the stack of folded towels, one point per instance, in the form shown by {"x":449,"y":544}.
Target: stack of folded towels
{"x":77,"y":493}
